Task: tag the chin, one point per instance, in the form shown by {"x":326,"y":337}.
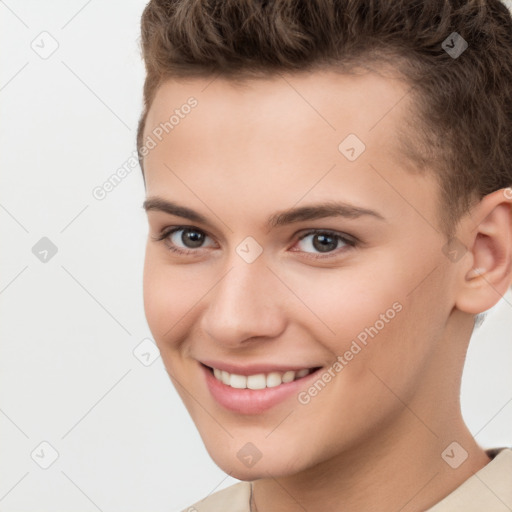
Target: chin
{"x":270,"y":460}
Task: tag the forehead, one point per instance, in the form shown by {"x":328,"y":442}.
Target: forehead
{"x":288,"y":131}
{"x":362,"y":99}
{"x":321,"y":106}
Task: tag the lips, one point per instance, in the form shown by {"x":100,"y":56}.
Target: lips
{"x":259,"y":380}
{"x":254,"y":369}
{"x":237,"y":397}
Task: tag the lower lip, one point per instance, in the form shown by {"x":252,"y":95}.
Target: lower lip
{"x":253,"y":401}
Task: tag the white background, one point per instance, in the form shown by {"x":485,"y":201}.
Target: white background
{"x":69,"y":326}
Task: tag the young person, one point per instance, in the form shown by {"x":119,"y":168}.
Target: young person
{"x":329,"y":206}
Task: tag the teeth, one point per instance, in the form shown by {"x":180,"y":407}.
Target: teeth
{"x":273,"y":379}
{"x":238,"y":381}
{"x":260,"y":380}
{"x":289,"y":376}
{"x":256,"y":381}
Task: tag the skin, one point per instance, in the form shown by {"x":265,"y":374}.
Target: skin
{"x":243,"y":154}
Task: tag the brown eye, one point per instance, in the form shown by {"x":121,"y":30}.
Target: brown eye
{"x":191,"y":238}
{"x":326,"y":242}
{"x":183,"y":239}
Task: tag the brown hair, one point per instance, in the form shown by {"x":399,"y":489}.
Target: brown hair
{"x":461,"y":126}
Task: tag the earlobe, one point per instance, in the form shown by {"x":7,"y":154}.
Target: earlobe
{"x":490,"y":241}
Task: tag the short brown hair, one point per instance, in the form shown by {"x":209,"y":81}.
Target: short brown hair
{"x":461,"y":127}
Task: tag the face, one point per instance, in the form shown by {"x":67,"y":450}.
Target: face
{"x":279,"y":243}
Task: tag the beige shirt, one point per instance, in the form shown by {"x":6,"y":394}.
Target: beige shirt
{"x":488,"y":490}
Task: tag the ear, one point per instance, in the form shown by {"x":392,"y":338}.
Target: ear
{"x":487,"y":234}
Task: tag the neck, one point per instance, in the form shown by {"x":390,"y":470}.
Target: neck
{"x":401,"y":470}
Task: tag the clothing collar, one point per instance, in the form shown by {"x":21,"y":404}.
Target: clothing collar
{"x":489,"y":489}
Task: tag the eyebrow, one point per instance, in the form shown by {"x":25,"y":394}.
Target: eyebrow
{"x":281,"y":218}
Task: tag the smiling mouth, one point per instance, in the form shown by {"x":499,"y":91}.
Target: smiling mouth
{"x":259,"y":380}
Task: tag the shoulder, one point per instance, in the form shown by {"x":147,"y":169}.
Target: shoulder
{"x":232,"y":499}
{"x":489,"y":489}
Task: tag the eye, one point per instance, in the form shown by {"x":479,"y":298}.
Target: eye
{"x":325,"y":242}
{"x":183,"y":239}
{"x":188,"y":240}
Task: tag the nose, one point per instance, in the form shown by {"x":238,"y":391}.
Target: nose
{"x":244,"y":305}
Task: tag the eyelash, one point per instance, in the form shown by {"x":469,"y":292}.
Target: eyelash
{"x":349,"y":240}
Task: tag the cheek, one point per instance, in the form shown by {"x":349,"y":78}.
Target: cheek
{"x":399,"y":344}
{"x":347,"y":304}
{"x":375,"y":325}
{"x":160,"y":296}
{"x":171,"y":294}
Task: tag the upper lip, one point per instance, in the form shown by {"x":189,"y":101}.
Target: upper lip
{"x":253,"y":369}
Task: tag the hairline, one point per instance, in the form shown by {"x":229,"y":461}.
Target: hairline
{"x":409,"y":143}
